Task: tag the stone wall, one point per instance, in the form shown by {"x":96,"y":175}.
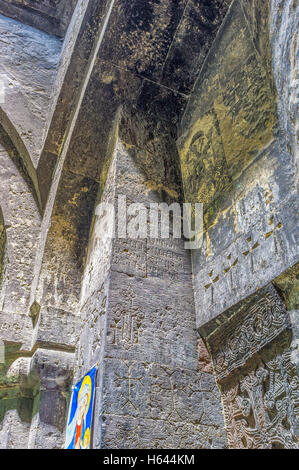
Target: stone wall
{"x":52,"y":16}
{"x":22,"y":220}
{"x":29,"y":61}
{"x":236,"y":162}
{"x":284,"y":45}
{"x":2,"y":243}
{"x":238,"y":156}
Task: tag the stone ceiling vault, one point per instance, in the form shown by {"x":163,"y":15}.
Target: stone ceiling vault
{"x":139,"y":65}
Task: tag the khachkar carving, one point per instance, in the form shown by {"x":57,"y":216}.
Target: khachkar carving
{"x":261,"y":405}
{"x":258,"y":382}
{"x":248,"y":331}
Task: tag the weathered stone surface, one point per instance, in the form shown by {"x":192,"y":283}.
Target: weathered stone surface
{"x":121,"y":69}
{"x":248,"y":331}
{"x":22,"y":221}
{"x":235,"y":161}
{"x":204,"y":359}
{"x":13,"y":430}
{"x":16,"y":328}
{"x":156,"y":434}
{"x":284,"y":22}
{"x":156,"y":101}
{"x":2,"y":243}
{"x":52,"y":16}
{"x":192,"y":41}
{"x":36,"y":388}
{"x":72,"y":78}
{"x":216,"y":113}
{"x":29,"y":61}
{"x":52,"y":322}
{"x":67,"y":235}
{"x":53,"y":371}
{"x":258,"y":382}
{"x":288,"y":285}
{"x":140,"y":33}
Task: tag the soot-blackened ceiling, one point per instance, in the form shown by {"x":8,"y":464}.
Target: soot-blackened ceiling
{"x":165,"y":41}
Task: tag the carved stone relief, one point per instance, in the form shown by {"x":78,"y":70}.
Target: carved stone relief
{"x":252,"y":361}
{"x":248,"y":331}
{"x":261,"y":404}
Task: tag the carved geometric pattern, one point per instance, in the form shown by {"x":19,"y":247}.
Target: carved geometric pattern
{"x":261,"y":404}
{"x":252,"y":360}
{"x":247,"y":332}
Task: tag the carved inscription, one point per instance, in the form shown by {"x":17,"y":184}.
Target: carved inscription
{"x":165,"y":263}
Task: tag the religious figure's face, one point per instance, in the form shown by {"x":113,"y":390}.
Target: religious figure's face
{"x":82,"y":409}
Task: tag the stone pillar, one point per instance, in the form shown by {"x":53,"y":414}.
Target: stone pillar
{"x":138,"y":323}
{"x":51,"y":372}
{"x":15,"y":400}
{"x":35,"y":380}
